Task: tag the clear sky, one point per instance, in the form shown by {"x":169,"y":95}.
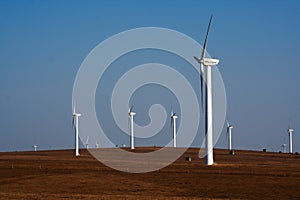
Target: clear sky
{"x":43,"y":43}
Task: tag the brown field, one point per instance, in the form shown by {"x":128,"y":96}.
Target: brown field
{"x":60,"y":175}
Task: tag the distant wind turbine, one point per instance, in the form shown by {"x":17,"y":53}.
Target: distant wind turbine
{"x":35,"y":147}
{"x":208,"y":63}
{"x":87,"y":142}
{"x":131,"y":115}
{"x":283,"y":148}
{"x":290,"y":131}
{"x":173,"y":124}
{"x":75,"y":122}
{"x":229,"y":128}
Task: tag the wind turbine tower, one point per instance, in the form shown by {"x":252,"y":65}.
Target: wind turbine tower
{"x":87,"y":142}
{"x":229,"y":128}
{"x":174,"y":117}
{"x":283,"y":148}
{"x":131,"y":115}
{"x":35,"y":147}
{"x":75,"y":121}
{"x":208,"y":63}
{"x":290,"y":131}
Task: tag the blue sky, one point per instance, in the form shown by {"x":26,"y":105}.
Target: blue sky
{"x":43,"y":43}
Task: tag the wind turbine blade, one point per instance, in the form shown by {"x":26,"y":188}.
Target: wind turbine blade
{"x":73,"y":122}
{"x":172,"y":123}
{"x":129,"y":124}
{"x":130,"y":109}
{"x":197,"y":59}
{"x":205,"y":41}
{"x":201,"y":85}
{"x":227,"y":132}
{"x":172,"y":113}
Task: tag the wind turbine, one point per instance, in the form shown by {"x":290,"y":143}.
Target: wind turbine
{"x":229,"y":128}
{"x":290,"y":131}
{"x":35,"y":147}
{"x":283,"y":148}
{"x":131,"y":115}
{"x":208,"y":63}
{"x":87,"y":142}
{"x":173,"y":123}
{"x":75,"y":122}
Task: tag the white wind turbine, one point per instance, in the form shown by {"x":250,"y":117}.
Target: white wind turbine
{"x":87,"y":142}
{"x":173,"y":124}
{"x":131,"y":115}
{"x":283,"y":148}
{"x":208,"y":63}
{"x":290,"y":131}
{"x":229,"y":128}
{"x":75,"y":122}
{"x":35,"y":147}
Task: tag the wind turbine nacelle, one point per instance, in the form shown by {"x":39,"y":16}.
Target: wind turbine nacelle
{"x":290,"y":130}
{"x":132,"y":113}
{"x":210,"y":61}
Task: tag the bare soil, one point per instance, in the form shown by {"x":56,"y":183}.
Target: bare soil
{"x":61,"y":175}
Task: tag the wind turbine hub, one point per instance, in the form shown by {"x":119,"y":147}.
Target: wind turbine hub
{"x":132,"y":113}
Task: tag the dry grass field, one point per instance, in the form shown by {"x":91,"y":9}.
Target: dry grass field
{"x":61,"y":175}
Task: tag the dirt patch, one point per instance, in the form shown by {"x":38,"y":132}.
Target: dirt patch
{"x":61,"y":175}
